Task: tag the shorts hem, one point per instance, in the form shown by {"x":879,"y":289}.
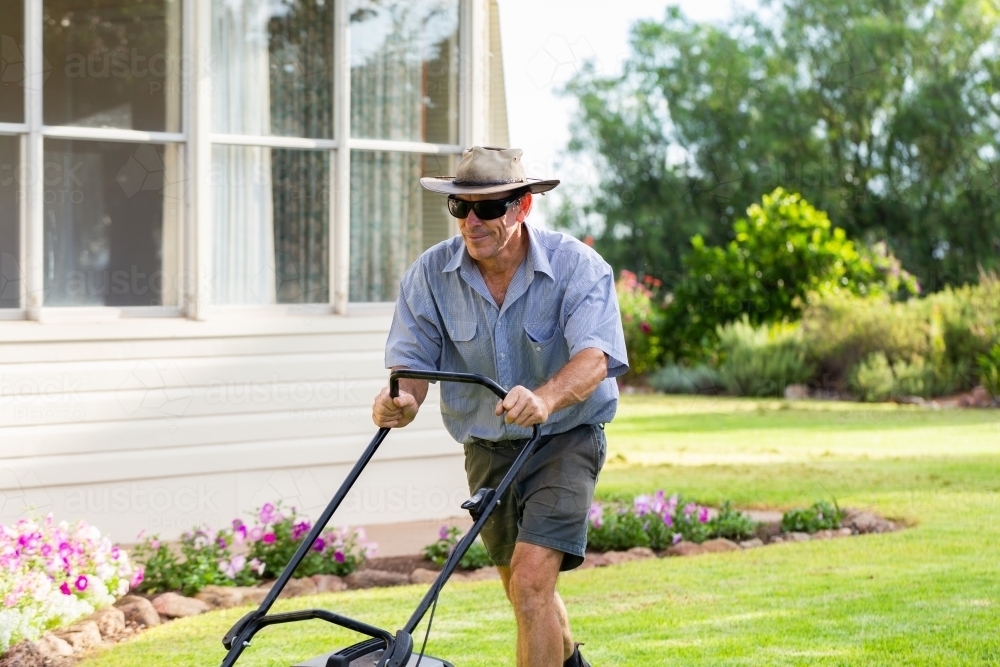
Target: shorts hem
{"x":542,"y":541}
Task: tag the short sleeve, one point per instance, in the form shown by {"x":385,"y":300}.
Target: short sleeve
{"x":415,"y":337}
{"x":592,"y":315}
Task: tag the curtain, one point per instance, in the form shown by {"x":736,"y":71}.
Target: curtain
{"x":404,"y":87}
{"x":272,"y":74}
{"x":243,"y":248}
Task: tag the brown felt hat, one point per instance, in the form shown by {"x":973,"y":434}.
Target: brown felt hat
{"x":485,"y":170}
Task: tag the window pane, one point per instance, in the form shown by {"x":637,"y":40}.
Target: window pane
{"x":393,"y":219}
{"x":110,"y":224}
{"x":272,"y":67}
{"x":272,"y":212}
{"x":404,"y":70}
{"x":113,"y":64}
{"x":12,"y":61}
{"x":10,"y":232}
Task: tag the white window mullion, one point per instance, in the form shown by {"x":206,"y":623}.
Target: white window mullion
{"x":32,"y":160}
{"x":340,"y":232}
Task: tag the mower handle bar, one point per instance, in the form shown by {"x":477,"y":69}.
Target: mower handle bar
{"x":444,"y":376}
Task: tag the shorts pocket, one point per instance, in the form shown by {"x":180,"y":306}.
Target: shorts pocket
{"x":600,"y":449}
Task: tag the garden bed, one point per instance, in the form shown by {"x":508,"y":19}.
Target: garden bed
{"x":133,"y":613}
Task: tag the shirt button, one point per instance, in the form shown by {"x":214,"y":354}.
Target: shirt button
{"x":538,"y":348}
{"x":503,"y":356}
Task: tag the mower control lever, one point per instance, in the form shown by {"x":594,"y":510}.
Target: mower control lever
{"x":476,"y":503}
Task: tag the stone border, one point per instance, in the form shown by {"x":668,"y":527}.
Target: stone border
{"x":133,"y":613}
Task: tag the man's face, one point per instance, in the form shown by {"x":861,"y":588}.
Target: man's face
{"x":489,"y":239}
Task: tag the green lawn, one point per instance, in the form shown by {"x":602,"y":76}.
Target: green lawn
{"x":925,"y":596}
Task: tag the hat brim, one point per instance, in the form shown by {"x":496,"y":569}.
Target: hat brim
{"x":446,"y":186}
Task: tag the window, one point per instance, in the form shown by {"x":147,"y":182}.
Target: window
{"x":300,"y":189}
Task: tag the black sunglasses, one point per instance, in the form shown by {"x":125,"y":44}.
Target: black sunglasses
{"x":491,"y":209}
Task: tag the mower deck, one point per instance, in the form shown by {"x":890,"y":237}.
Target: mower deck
{"x":371,"y":659}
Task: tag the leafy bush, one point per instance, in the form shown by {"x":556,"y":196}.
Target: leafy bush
{"x":873,"y":379}
{"x":989,"y":366}
{"x":679,"y":379}
{"x":820,"y":516}
{"x":205,"y":557}
{"x":930,"y":345}
{"x":761,"y":360}
{"x":783,"y":251}
{"x":448,"y":538}
{"x":276,"y":537}
{"x":53,"y":574}
{"x":658,"y":522}
{"x":641,"y":321}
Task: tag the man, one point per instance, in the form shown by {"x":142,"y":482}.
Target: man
{"x":536,"y":311}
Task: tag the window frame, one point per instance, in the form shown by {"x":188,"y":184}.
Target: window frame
{"x":195,"y":141}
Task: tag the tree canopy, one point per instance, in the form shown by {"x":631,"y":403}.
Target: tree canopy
{"x":883,"y":113}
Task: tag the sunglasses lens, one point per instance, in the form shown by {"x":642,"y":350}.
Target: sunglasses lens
{"x":490,"y":210}
{"x":458,"y":208}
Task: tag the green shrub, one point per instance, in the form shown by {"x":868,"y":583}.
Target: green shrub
{"x":820,"y":516}
{"x":873,"y":379}
{"x":642,"y":323}
{"x":448,"y":537}
{"x":931,"y":345}
{"x":761,"y":360}
{"x":679,"y":379}
{"x":781,"y":252}
{"x":989,"y":371}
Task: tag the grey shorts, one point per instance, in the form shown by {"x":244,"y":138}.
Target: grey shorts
{"x":549,"y":500}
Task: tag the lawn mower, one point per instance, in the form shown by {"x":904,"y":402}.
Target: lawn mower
{"x":382,"y":648}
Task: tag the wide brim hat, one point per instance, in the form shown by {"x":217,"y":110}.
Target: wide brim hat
{"x":484,"y":170}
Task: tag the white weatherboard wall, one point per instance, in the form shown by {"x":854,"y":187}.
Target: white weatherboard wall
{"x":158,"y":425}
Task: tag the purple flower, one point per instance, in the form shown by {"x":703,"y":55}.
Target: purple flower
{"x":221,"y":541}
{"x":319,"y":544}
{"x":81,"y":583}
{"x":677,"y":538}
{"x":596,"y":515}
{"x":266,"y":513}
{"x":137,"y":578}
{"x":300,"y":529}
{"x":338,"y":556}
{"x":703,"y":515}
{"x":268,"y":538}
{"x":668,"y":520}
{"x":689,"y":509}
{"x":641,"y":505}
{"x":65,"y":589}
{"x":443,"y":533}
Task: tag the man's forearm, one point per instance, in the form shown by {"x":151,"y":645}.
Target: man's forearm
{"x":575,"y":381}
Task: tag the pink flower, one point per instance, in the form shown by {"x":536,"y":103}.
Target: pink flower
{"x":269,"y":538}
{"x":443,"y":533}
{"x":257,"y":566}
{"x":703,"y":515}
{"x":677,"y":538}
{"x":10,"y":600}
{"x":154,"y":544}
{"x":256,"y":534}
{"x":646,"y":329}
{"x":65,"y":589}
{"x":668,"y":520}
{"x":689,"y":509}
{"x":596,"y":515}
{"x":81,"y":583}
{"x":137,"y":578}
{"x":266,"y":513}
{"x":641,"y":505}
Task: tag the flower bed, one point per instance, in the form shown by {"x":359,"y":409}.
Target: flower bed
{"x":54,"y":574}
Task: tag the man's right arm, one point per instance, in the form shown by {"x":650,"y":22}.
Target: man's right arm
{"x":388,"y":412}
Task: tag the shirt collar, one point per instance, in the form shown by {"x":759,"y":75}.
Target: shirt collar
{"x":536,"y":255}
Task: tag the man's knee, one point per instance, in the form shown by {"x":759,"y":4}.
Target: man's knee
{"x":533,"y":574}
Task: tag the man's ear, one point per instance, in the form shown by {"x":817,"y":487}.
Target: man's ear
{"x":525,"y":207}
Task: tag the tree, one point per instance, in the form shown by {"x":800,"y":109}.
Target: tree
{"x":884,"y":113}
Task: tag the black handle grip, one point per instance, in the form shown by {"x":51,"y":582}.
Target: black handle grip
{"x":443,"y":376}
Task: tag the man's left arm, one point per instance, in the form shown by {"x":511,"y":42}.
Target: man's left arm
{"x":574,"y":383}
{"x":593,"y":330}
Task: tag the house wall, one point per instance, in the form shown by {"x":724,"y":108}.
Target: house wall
{"x":159,"y":424}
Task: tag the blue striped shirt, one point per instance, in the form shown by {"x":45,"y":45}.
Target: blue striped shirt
{"x":561,"y":300}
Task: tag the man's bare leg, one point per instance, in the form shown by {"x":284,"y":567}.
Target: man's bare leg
{"x":543,"y":634}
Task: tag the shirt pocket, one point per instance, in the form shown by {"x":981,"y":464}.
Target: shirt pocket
{"x":545,"y":349}
{"x":461,"y":332}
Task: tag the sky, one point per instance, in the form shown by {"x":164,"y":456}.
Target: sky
{"x":545,"y":42}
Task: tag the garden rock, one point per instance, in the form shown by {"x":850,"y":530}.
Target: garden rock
{"x":483,"y":574}
{"x":422,"y":575}
{"x":843,"y":532}
{"x":593,"y":559}
{"x":221,"y":597}
{"x":328,"y":583}
{"x":823,"y":535}
{"x":138,"y":611}
{"x":719,"y":545}
{"x":797,"y":537}
{"x":618,"y":557}
{"x":24,"y":654}
{"x":51,"y":647}
{"x":868,"y":522}
{"x":752,"y":544}
{"x":373,"y":578}
{"x":294,"y":588}
{"x":796,"y":392}
{"x":110,"y":621}
{"x":81,"y":636}
{"x":685,"y":549}
{"x":641,"y":553}
{"x":173,"y":605}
